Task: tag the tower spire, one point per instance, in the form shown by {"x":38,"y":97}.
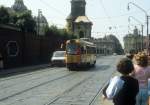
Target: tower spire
{"x":78,"y":8}
{"x":19,"y":6}
{"x":77,"y":22}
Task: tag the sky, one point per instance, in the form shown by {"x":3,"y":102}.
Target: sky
{"x":107,"y":16}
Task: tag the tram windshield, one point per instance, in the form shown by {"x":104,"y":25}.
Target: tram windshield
{"x":71,"y":48}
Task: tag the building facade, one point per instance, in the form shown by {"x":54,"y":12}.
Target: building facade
{"x":133,"y":42}
{"x":108,"y":45}
{"x":41,"y":23}
{"x":104,"y":46}
{"x":77,"y":21}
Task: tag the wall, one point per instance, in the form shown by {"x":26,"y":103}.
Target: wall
{"x":31,"y":49}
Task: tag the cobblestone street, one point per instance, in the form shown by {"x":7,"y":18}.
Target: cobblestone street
{"x":58,"y":86}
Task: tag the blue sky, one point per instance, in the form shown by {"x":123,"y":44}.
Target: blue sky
{"x":103,"y":14}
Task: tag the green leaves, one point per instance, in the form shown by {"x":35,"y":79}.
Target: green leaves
{"x":22,"y":19}
{"x":4,"y":15}
{"x":26,"y":22}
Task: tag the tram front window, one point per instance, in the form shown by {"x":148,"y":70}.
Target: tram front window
{"x":71,"y":48}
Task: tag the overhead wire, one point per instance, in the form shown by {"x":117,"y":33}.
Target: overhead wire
{"x":118,"y":16}
{"x":101,"y":2}
{"x":96,"y":18}
{"x":118,"y":32}
{"x":49,"y":6}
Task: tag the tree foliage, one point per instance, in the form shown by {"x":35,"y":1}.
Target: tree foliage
{"x":13,"y":18}
{"x":58,"y":36}
{"x":25,"y":21}
{"x":4,"y":15}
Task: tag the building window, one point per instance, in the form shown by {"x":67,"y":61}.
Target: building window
{"x":12,"y":48}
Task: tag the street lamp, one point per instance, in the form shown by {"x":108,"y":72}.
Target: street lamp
{"x":147,"y":22}
{"x":141,"y":28}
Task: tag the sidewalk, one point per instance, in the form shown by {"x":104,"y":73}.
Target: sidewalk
{"x":5,"y":72}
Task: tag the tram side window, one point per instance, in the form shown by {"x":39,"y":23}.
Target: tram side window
{"x":83,"y":50}
{"x":88,"y":50}
{"x":93,"y":50}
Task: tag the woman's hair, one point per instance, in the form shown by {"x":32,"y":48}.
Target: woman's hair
{"x":125,"y":66}
{"x":141,"y":59}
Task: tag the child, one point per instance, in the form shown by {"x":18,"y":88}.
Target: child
{"x":125,"y":94}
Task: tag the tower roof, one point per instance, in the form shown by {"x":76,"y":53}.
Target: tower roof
{"x":19,"y":6}
{"x":78,"y":0}
{"x":82,"y":19}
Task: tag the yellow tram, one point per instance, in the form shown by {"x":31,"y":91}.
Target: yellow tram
{"x":80,"y":53}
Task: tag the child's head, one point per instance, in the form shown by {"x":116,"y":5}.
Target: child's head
{"x":125,"y":66}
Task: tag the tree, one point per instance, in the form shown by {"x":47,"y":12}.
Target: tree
{"x":4,"y":15}
{"x":58,"y":37}
{"x":13,"y":18}
{"x":26,"y":22}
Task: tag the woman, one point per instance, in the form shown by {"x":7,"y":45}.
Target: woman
{"x":141,"y":73}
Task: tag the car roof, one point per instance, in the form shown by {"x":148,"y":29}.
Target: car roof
{"x":58,"y":51}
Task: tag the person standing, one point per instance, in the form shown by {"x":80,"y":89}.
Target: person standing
{"x":126,"y":95}
{"x":141,"y":73}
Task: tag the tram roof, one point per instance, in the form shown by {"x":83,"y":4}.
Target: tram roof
{"x":82,"y":41}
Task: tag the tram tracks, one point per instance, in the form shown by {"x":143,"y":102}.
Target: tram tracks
{"x":65,"y":91}
{"x":70,"y":89}
{"x":24,"y":75}
{"x":84,"y":83}
{"x":29,"y":78}
{"x":99,"y":93}
{"x":92,"y":102}
{"x":33,"y":87}
{"x":59,"y":87}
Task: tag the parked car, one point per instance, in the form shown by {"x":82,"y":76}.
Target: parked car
{"x":58,"y":58}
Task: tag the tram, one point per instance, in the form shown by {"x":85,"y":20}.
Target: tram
{"x":80,"y":53}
